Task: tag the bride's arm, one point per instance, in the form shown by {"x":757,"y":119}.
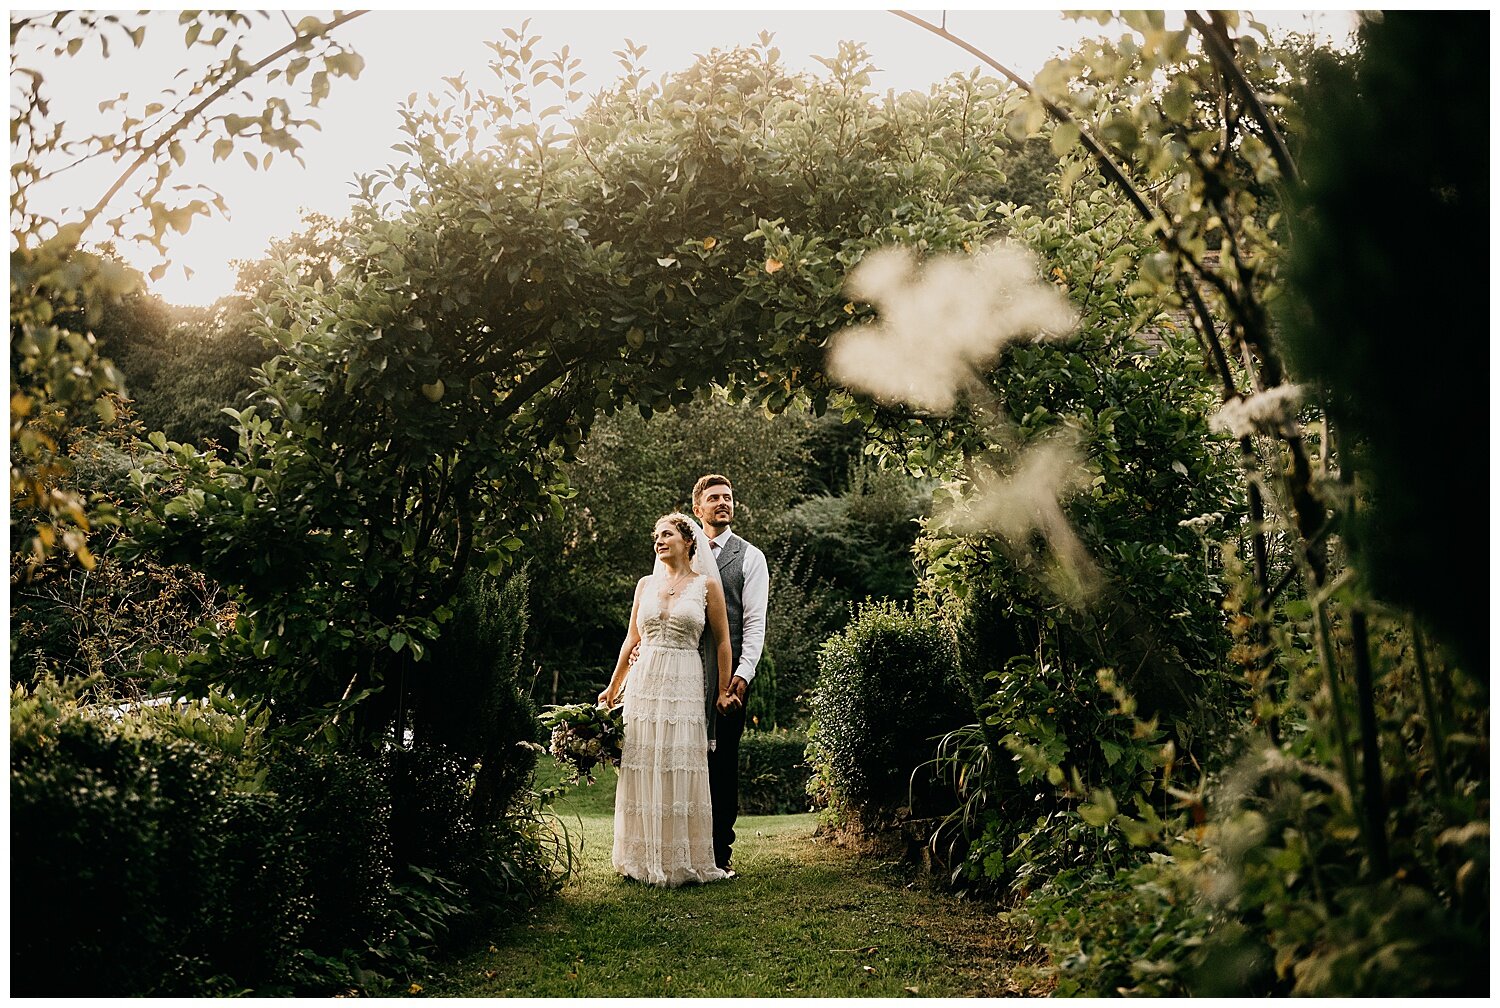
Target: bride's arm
{"x":718,"y":621}
{"x":622,"y":664}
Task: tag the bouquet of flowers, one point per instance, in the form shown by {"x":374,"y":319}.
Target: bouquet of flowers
{"x":585,"y":735}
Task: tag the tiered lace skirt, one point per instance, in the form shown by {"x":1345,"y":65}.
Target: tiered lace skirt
{"x":663,"y":816}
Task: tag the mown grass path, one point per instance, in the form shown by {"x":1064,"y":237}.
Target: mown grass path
{"x":804,"y":919}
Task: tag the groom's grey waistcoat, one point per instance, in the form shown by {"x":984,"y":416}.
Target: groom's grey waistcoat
{"x":732,"y":576}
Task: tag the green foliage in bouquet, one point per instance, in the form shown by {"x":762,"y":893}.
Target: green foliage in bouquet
{"x":583,"y":736}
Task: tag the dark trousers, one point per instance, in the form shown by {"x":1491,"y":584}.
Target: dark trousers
{"x":724,"y":781}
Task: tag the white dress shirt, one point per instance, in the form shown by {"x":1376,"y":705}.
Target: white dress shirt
{"x":753,"y":601}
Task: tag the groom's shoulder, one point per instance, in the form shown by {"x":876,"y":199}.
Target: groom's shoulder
{"x":750,"y":548}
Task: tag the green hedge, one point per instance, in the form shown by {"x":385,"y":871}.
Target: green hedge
{"x":887,"y":687}
{"x":114,"y":866}
{"x":773,"y":772}
{"x":339,"y":812}
{"x":145,"y":864}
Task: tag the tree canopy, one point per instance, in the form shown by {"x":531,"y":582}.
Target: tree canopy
{"x":61,"y":287}
{"x":535,"y":273}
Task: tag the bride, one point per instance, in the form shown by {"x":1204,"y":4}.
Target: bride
{"x":663,"y":818}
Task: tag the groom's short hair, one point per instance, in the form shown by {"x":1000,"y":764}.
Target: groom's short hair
{"x":704,"y":482}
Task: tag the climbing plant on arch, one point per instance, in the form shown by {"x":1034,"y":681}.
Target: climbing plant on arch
{"x":535,"y":273}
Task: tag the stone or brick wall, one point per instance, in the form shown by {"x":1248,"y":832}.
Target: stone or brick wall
{"x":1154,"y":335}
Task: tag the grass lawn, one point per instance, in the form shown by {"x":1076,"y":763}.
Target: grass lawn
{"x":804,"y":919}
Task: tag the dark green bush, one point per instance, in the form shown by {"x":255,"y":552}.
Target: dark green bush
{"x":773,"y":772}
{"x":1047,"y":738}
{"x":460,"y":873}
{"x":1254,"y":883}
{"x":170,"y":856}
{"x":430,"y":818}
{"x":1113,"y":933}
{"x":1344,"y":328}
{"x":887,"y":689}
{"x":514,"y":864}
{"x":340,"y":807}
{"x":111,"y":856}
{"x":259,"y":931}
{"x":469,"y":700}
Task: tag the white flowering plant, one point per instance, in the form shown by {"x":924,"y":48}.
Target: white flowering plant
{"x":585,"y":735}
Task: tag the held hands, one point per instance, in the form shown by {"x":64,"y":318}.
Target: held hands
{"x":733,"y":698}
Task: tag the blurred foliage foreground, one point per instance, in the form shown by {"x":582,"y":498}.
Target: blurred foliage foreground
{"x":1298,"y":805}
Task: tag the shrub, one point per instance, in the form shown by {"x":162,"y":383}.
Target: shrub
{"x":340,"y":812}
{"x":516,"y":862}
{"x":773,"y":772}
{"x":1261,"y":898}
{"x":431,"y":820}
{"x":887,"y":688}
{"x":1047,"y":740}
{"x":170,"y":854}
{"x":111,"y":853}
{"x":1117,"y":933}
{"x":469,"y":699}
{"x":259,"y":930}
{"x":1256,"y":882}
{"x":458,"y":873}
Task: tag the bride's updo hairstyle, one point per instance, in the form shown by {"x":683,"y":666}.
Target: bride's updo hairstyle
{"x":683,"y":524}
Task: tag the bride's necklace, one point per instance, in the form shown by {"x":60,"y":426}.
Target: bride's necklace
{"x":675,"y":583}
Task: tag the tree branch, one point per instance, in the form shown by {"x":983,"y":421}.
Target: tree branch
{"x":1216,"y":41}
{"x":1158,"y":225}
{"x":192,"y":113}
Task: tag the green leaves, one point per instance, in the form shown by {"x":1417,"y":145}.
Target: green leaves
{"x":1064,"y":138}
{"x":1100,"y":810}
{"x":148,"y":140}
{"x":1177,"y":101}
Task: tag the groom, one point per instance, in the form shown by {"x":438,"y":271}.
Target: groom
{"x":747,"y":583}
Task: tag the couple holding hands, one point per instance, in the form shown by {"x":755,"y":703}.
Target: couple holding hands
{"x":697,"y":628}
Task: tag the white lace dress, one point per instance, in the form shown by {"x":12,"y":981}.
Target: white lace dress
{"x":664,"y":831}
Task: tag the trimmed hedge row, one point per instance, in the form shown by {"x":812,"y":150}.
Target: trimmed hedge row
{"x":773,"y":772}
{"x":114,"y":850}
{"x":138,"y":868}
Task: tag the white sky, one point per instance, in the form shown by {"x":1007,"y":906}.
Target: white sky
{"x":406,"y":51}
